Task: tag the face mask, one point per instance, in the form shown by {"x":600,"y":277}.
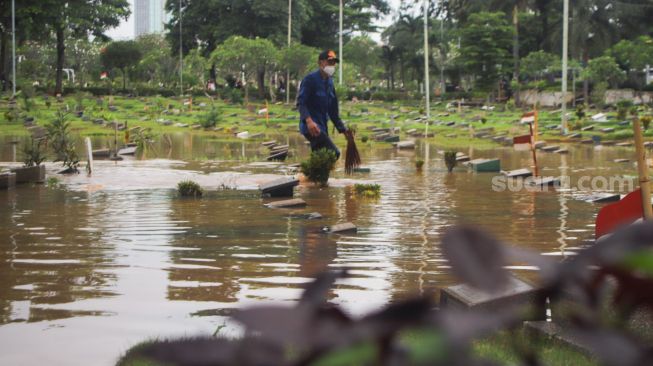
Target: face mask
{"x":330,"y":70}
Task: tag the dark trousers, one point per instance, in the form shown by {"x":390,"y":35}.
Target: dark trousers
{"x":323,"y":141}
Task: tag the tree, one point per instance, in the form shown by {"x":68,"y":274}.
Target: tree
{"x":633,"y":56}
{"x":485,"y":42}
{"x":157,"y":64}
{"x":249,"y":56}
{"x":362,"y":51}
{"x":82,"y":18}
{"x":121,"y":55}
{"x":538,"y":63}
{"x":321,"y":27}
{"x":604,"y":69}
{"x":298,"y":59}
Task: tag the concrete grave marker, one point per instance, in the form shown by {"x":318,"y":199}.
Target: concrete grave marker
{"x":297,"y":202}
{"x":282,"y":187}
{"x":516,"y":293}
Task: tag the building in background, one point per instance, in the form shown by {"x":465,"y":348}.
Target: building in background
{"x":149,"y":16}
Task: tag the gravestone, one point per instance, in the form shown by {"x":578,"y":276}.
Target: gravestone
{"x":607,"y":130}
{"x":562,"y":151}
{"x":515,"y":293}
{"x":343,"y":228}
{"x":7,"y":180}
{"x":550,"y":148}
{"x":282,"y":187}
{"x":297,"y":202}
{"x":539,"y":144}
{"x":486,"y":165}
{"x":519,"y":173}
{"x":391,"y":139}
{"x":625,"y":144}
{"x":406,"y":145}
{"x":362,"y":170}
{"x":588,"y":128}
{"x":127,"y":151}
{"x":621,"y":160}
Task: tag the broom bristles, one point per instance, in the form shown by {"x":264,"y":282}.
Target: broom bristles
{"x":352,"y":157}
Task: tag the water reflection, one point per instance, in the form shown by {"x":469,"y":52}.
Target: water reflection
{"x":117,"y":258}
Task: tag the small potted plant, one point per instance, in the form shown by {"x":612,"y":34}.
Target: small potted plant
{"x":33,"y":171}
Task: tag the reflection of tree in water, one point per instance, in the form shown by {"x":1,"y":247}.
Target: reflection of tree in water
{"x":47,"y":259}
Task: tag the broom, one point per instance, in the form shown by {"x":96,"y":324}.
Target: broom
{"x":352,"y":158}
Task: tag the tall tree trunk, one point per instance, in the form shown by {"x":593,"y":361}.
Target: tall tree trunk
{"x":515,"y":53}
{"x":586,"y":84}
{"x":4,"y":80}
{"x":261,"y":83}
{"x":58,"y":89}
{"x":212,"y":72}
{"x":124,"y":80}
{"x":543,"y":9}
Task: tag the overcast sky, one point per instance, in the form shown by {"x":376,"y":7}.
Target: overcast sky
{"x":126,"y":29}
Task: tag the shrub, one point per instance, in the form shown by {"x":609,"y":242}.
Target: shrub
{"x":62,"y":142}
{"x":234,"y":95}
{"x":211,"y":118}
{"x":646,"y":121}
{"x":364,"y":138}
{"x":580,"y":111}
{"x":623,"y":106}
{"x":34,"y":155}
{"x":419,"y":163}
{"x":368,"y":190}
{"x":450,"y":160}
{"x":188,"y":188}
{"x":319,"y":166}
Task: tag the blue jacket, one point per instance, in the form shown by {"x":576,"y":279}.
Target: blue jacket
{"x":317,"y":98}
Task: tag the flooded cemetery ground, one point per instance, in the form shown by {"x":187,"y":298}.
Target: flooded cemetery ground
{"x":93,"y":265}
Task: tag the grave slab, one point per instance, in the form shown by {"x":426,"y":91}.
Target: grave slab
{"x":343,"y":228}
{"x":519,"y":173}
{"x":282,"y":187}
{"x":7,"y":180}
{"x":297,"y":202}
{"x":516,"y":293}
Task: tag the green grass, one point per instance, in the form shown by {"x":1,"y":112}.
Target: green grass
{"x":144,"y":112}
{"x":501,"y":349}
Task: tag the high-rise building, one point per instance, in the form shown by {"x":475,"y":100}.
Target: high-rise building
{"x":149,"y":16}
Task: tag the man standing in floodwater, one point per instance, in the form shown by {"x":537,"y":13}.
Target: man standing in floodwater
{"x":317,"y":103}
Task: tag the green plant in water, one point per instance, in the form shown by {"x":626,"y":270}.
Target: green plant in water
{"x":419,"y":163}
{"x":188,"y":188}
{"x":368,"y":190}
{"x":450,"y":160}
{"x":34,"y":155}
{"x":62,"y":142}
{"x":142,"y":138}
{"x":53,"y":182}
{"x":319,"y":165}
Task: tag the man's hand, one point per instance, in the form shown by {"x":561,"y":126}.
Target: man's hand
{"x":313,"y":128}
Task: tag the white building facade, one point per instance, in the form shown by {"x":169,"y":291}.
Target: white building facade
{"x":149,"y":16}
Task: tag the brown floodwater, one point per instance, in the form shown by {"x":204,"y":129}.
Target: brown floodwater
{"x":101,"y":263}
